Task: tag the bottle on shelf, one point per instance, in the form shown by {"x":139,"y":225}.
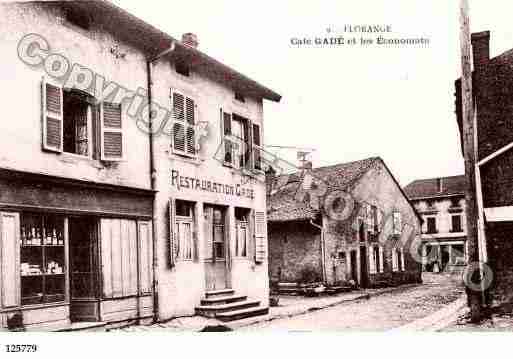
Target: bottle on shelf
{"x":23,"y":236}
{"x":54,"y":237}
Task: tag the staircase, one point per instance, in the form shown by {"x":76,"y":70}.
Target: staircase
{"x":226,"y":306}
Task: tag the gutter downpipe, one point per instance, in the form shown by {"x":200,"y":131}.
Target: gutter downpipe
{"x":153,"y":179}
{"x":323,"y":250}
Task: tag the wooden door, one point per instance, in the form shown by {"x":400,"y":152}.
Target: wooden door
{"x":9,"y":260}
{"x":83,"y":269}
{"x":215,"y":248}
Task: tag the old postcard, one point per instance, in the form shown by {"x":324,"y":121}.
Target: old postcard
{"x":251,"y":167}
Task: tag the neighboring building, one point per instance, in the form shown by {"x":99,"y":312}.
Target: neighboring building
{"x":441,"y":203}
{"x":372,"y":247}
{"x":493,"y":99}
{"x":83,"y":177}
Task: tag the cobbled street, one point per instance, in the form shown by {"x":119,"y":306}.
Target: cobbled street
{"x":379,"y":313}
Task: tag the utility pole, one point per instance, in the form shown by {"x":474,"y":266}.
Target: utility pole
{"x":469,"y":139}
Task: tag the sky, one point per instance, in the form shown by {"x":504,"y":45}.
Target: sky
{"x":346,"y":102}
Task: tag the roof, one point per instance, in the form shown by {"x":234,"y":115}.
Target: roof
{"x":153,"y":41}
{"x":427,"y":188}
{"x":282,"y":205}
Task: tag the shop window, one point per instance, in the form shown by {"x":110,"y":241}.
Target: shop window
{"x":185,"y":229}
{"x":184,"y":130}
{"x":431,"y":225}
{"x":456,"y":223}
{"x":42,"y":259}
{"x":242,"y":232}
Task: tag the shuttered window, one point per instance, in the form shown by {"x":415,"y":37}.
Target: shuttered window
{"x":52,"y":116}
{"x":184,"y":125}
{"x":260,"y":237}
{"x":111,"y":132}
{"x":226,"y":132}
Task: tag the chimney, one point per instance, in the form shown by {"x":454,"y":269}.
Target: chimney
{"x":480,"y":49}
{"x":190,"y":39}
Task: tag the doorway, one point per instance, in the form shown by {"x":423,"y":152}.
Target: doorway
{"x":83,"y":254}
{"x":216,"y":248}
{"x":364,"y":281}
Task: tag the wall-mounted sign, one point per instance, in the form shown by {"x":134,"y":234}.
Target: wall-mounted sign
{"x":199,"y":184}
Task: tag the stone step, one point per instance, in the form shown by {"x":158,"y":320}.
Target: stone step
{"x":223,"y":300}
{"x":242,"y":314}
{"x":220,"y":292}
{"x":211,"y":311}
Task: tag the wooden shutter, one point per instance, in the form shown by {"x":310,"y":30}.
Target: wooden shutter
{"x":260,"y":237}
{"x":52,"y":116}
{"x":257,"y":161}
{"x":111,"y":132}
{"x":190,"y":116}
{"x":173,"y":245}
{"x":9,"y":259}
{"x":145,"y":257}
{"x":184,"y":122}
{"x":226,"y":132}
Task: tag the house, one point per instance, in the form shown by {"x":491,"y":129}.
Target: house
{"x":441,"y":203}
{"x":108,"y":218}
{"x":342,"y":223}
{"x":493,"y":99}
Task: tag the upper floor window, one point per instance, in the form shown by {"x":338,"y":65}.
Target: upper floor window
{"x":74,"y":123}
{"x":183,"y":68}
{"x":456,"y":224}
{"x":455,"y":202}
{"x":240,"y":97}
{"x":184,"y":130}
{"x":431,"y":225}
{"x":240,"y":142}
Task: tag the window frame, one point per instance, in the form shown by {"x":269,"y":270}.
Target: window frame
{"x":428,"y":227}
{"x":460,"y":224}
{"x":182,"y":242}
{"x":91,"y":141}
{"x":185,"y":124}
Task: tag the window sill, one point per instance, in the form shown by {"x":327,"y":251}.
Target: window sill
{"x":184,"y":158}
{"x":71,"y":158}
{"x":44,"y":305}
